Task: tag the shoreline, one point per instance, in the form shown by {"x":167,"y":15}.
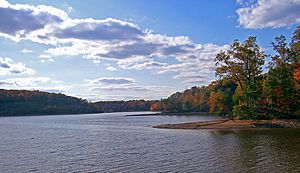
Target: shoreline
{"x":170,"y":114}
{"x":233,"y":124}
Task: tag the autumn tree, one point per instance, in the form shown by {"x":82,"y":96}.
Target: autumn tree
{"x":295,"y":45}
{"x":217,"y":102}
{"x":156,"y":106}
{"x":243,"y":63}
{"x":281,"y":84}
{"x":190,"y":100}
{"x":221,"y":93}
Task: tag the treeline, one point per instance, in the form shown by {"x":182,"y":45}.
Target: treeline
{"x":245,"y":89}
{"x":24,"y":102}
{"x":191,"y":100}
{"x":199,"y":99}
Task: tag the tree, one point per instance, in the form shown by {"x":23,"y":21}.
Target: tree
{"x":156,"y":106}
{"x":296,"y":49}
{"x":242,"y":63}
{"x":217,"y":103}
{"x":281,"y":84}
{"x":221,"y":94}
{"x":295,"y":46}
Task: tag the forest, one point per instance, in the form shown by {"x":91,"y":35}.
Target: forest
{"x":250,"y":84}
{"x":24,"y":102}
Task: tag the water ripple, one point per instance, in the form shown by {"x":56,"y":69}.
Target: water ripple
{"x":115,"y":143}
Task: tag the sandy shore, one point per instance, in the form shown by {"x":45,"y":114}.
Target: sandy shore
{"x":234,"y":124}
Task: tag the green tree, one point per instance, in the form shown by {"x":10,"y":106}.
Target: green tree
{"x":243,"y":63}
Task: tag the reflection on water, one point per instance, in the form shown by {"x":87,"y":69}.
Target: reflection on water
{"x":115,"y":143}
{"x":275,"y":150}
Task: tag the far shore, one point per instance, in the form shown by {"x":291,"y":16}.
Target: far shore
{"x":234,"y":124}
{"x":170,"y":114}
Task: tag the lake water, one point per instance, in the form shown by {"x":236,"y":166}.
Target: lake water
{"x":114,"y":143}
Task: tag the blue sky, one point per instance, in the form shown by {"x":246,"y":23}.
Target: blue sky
{"x":128,"y":49}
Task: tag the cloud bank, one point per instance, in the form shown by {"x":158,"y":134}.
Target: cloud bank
{"x":114,"y":88}
{"x":121,"y":84}
{"x":108,"y":39}
{"x":268,"y":13}
{"x":41,"y":83}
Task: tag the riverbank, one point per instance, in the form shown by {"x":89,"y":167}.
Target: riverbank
{"x":233,"y":124}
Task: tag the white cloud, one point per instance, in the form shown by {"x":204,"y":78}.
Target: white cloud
{"x":121,"y":88}
{"x":26,"y":51}
{"x":4,"y":3}
{"x":56,"y":81}
{"x":98,"y":30}
{"x":269,"y":13}
{"x":24,"y":82}
{"x":53,"y":90}
{"x":9,"y":67}
{"x":194,"y":66}
{"x":194,"y":78}
{"x":70,"y":9}
{"x":245,"y":2}
{"x":111,"y":81}
{"x":119,"y":85}
{"x":107,"y":39}
{"x":34,"y":83}
{"x":46,"y":58}
{"x":20,"y":21}
{"x":110,"y":68}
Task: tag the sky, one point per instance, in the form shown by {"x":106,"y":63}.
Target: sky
{"x":129,"y":49}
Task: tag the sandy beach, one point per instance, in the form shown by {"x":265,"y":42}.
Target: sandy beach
{"x":233,"y":124}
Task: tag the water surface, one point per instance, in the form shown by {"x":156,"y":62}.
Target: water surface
{"x":114,"y":143}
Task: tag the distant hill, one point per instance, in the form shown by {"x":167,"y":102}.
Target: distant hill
{"x":23,"y":102}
